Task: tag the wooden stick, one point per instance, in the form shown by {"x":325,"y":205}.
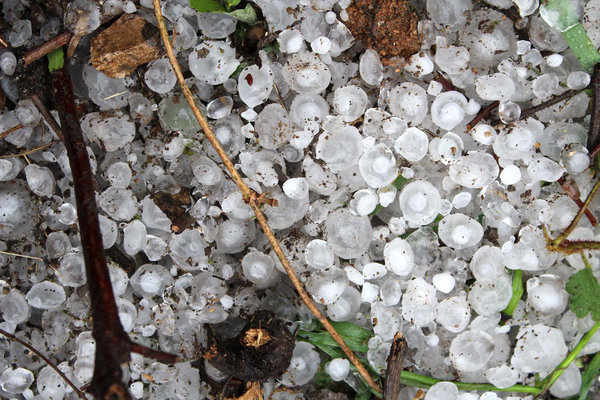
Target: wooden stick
{"x":48,"y":47}
{"x":11,"y":130}
{"x":395,"y":362}
{"x":252,"y":199}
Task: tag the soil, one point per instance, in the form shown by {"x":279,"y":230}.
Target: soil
{"x":388,"y":26}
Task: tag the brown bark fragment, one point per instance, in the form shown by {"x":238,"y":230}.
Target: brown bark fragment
{"x":128,"y":43}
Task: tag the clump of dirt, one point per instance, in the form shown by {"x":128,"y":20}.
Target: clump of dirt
{"x":388,"y":26}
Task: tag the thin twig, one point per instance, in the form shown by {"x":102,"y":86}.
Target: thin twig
{"x":548,"y":103}
{"x":8,"y":253}
{"x":48,"y":47}
{"x":279,"y":96}
{"x":11,"y":130}
{"x":3,"y":43}
{"x":39,"y":104}
{"x":80,"y":394}
{"x":445,"y":82}
{"x":27,"y":152}
{"x":484,"y":113}
{"x":573,"y":192}
{"x":252,"y":199}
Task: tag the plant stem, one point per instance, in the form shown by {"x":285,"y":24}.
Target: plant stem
{"x":582,"y":46}
{"x":560,"y":368}
{"x":417,"y":380}
{"x":398,"y":183}
{"x":517,"y":292}
{"x":590,"y":374}
{"x":253,"y":200}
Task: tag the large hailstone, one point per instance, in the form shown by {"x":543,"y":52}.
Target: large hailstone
{"x":471,"y":350}
{"x":273,"y":126}
{"x":399,"y":257}
{"x":475,"y":170}
{"x":349,"y":235}
{"x":305,"y":73}
{"x":113,"y":131}
{"x":460,"y":231}
{"x":420,"y":202}
{"x":340,"y":149}
{"x":539,"y":348}
{"x":448,"y":109}
{"x":409,"y":102}
{"x":378,"y":166}
{"x":213,"y":62}
{"x":17,"y":210}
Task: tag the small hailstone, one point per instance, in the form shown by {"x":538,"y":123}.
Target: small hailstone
{"x":399,"y":257}
{"x":454,"y":314}
{"x":350,"y":102}
{"x":397,"y":225}
{"x":303,"y":365}
{"x":364,"y":201}
{"x":327,"y":285}
{"x":338,"y":369}
{"x":369,"y":293}
{"x":119,"y":204}
{"x":442,"y":391}
{"x":8,"y":63}
{"x":487,"y":264}
{"x":523,"y":46}
{"x":137,"y":389}
{"x":321,"y":45}
{"x":134,"y":237}
{"x":434,"y":88}
{"x":546,"y":294}
{"x":419,"y":303}
{"x":484,"y":134}
{"x":460,"y":231}
{"x":568,"y":384}
{"x":510,"y":175}
{"x":16,"y":381}
{"x":71,"y":270}
{"x":461,"y":200}
{"x":545,"y":85}
{"x":448,"y":149}
{"x":150,"y":280}
{"x":346,"y":306}
{"x":213,"y":62}
{"x":305,"y":73}
{"x":296,"y":188}
{"x":251,"y":116}
{"x":448,"y":109}
{"x":554,"y":60}
{"x":159,"y":76}
{"x":544,"y":169}
{"x":412,"y":144}
{"x":119,"y":175}
{"x":370,"y":67}
{"x":452,"y":59}
{"x":378,"y":166}
{"x":40,"y":180}
{"x":21,"y":32}
{"x":273,"y":126}
{"x":219,"y":107}
{"x":575,"y":158}
{"x":578,"y":80}
{"x":531,"y":350}
{"x":330,"y":17}
{"x":409,"y":102}
{"x":255,"y":84}
{"x":14,"y":307}
{"x":290,"y":41}
{"x":526,"y":7}
{"x":82,"y":17}
{"x":420,"y":202}
{"x":354,"y":275}
{"x":342,"y":149}
{"x":419,"y":64}
{"x":374,"y":271}
{"x":491,"y":297}
{"x":471,"y":350}
{"x":475,"y":170}
{"x":319,"y":254}
{"x":444,"y":282}
{"x":473,"y":107}
{"x":114,"y":131}
{"x":259,"y":269}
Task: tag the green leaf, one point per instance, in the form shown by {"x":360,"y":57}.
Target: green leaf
{"x":517,"y":292}
{"x":588,"y":377}
{"x":205,"y":6}
{"x":56,"y":60}
{"x":325,"y":339}
{"x":232,"y":3}
{"x":585,"y":294}
{"x":349,"y":330}
{"x":582,"y":46}
{"x":247,"y":15}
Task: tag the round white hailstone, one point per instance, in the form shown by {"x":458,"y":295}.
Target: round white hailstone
{"x":348,"y":235}
{"x":155,"y":248}
{"x":119,"y":174}
{"x":305,"y":73}
{"x":509,"y":112}
{"x":14,"y":307}
{"x":409,"y":102}
{"x":16,"y":380}
{"x":374,"y":271}
{"x":448,"y":148}
{"x":338,"y":369}
{"x":303,"y":365}
{"x":444,"y":282}
{"x":487,"y":264}
{"x":546,"y":294}
{"x":307,"y":111}
{"x":554,"y":60}
{"x":461,"y":200}
{"x":8,"y":63}
{"x":399,"y":257}
{"x":419,"y":303}
{"x":137,"y":388}
{"x":296,"y":188}
{"x":134,"y":237}
{"x":273,"y":126}
{"x":369,"y":293}
{"x":419,"y":64}
{"x":577,"y":80}
{"x":471,"y":350}
{"x":523,"y":46}
{"x":370,"y":67}
{"x":454,"y":314}
{"x":545,"y":85}
{"x":40,"y":180}
{"x":127,"y":314}
{"x":491,"y":297}
{"x":484,"y":134}
{"x":575,"y":157}
{"x":397,"y":226}
{"x":46,"y":295}
{"x":460,"y":231}
{"x":118,"y":279}
{"x":159,"y":76}
{"x":378,"y":166}
{"x":71,"y":270}
{"x":109,"y":231}
{"x":510,"y":175}
{"x":442,"y":390}
{"x":420,"y":202}
{"x":290,"y":41}
{"x":557,"y":136}
{"x":205,"y":170}
{"x":412,"y":144}
{"x":27,"y":113}
{"x":539,"y":348}
{"x":259,"y":269}
{"x":327,"y":285}
{"x":387,"y":195}
{"x":249,"y":115}
{"x":321,"y":45}
{"x":364,"y":202}
{"x":391,"y":291}
{"x":448,"y":109}
{"x":255,"y":84}
{"x":319,"y":254}
{"x":453,"y":60}
{"x":473,"y":107}
{"x":495,"y":87}
{"x":475,"y":170}
{"x":340,"y":149}
{"x":216,"y":25}
{"x":213,"y":62}
{"x":503,"y":376}
{"x":568,"y":384}
{"x":434,"y":88}
{"x":544,"y":169}
{"x":346,"y":306}
{"x":350,"y":102}
{"x":354,"y":275}
{"x":150,"y":280}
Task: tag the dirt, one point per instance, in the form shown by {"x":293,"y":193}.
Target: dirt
{"x":388,"y":26}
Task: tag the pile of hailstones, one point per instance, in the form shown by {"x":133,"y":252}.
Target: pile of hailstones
{"x":433,"y":259}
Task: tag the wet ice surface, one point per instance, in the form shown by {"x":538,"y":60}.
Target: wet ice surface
{"x":333,"y":145}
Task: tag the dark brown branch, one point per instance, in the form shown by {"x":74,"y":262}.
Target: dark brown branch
{"x":39,"y":104}
{"x":445,"y":82}
{"x":395,"y":362}
{"x":48,"y":47}
{"x":157,"y":355}
{"x":548,"y":103}
{"x":113,"y":346}
{"x":13,"y":338}
{"x":482,"y":114}
{"x":594,"y":132}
